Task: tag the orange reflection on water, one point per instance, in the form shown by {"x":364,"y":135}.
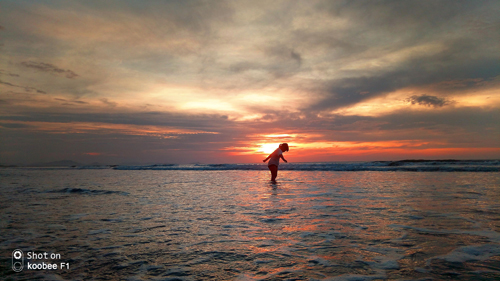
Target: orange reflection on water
{"x":302,"y":227}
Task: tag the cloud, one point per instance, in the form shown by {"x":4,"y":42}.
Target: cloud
{"x":417,"y":72}
{"x":10,"y":84}
{"x":15,"y":125}
{"x":109,"y":103}
{"x":49,"y":68}
{"x":233,"y":71}
{"x":27,"y":89}
{"x":9,"y":74}
{"x":410,"y":17}
{"x":365,"y":50}
{"x":428,"y":100}
{"x":198,"y":122}
{"x":112,"y":130}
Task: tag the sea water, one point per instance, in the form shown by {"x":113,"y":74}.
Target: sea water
{"x":233,"y":224}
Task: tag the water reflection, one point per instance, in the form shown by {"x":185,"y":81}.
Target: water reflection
{"x":274,"y":185}
{"x":308,"y":225}
{"x":344,"y":218}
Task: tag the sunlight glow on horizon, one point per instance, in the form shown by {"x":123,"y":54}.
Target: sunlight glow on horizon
{"x":267,"y":148}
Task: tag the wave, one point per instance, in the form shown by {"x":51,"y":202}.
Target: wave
{"x":403,"y":165}
{"x":69,"y":190}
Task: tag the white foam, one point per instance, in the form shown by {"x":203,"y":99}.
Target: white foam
{"x":420,"y":166}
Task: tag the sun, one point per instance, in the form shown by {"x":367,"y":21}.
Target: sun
{"x":267,"y":148}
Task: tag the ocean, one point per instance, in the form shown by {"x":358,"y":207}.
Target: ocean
{"x":404,"y":220}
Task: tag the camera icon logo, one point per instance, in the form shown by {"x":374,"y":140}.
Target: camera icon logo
{"x":17,"y":260}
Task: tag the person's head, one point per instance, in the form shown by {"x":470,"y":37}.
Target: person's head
{"x":284,"y":147}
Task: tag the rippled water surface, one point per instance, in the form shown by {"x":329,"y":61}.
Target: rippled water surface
{"x":236,"y":225}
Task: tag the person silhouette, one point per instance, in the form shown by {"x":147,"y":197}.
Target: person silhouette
{"x":275,"y":160}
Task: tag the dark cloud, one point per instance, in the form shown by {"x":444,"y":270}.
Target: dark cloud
{"x":337,"y":43}
{"x":199,"y":143}
{"x":350,"y":91}
{"x":296,"y":56}
{"x":203,"y":122}
{"x":390,"y":27}
{"x":49,"y":68}
{"x":71,"y":102}
{"x":428,"y":100}
{"x":453,"y":126}
{"x":245,"y":66}
{"x":280,"y":62}
{"x":27,"y":89}
{"x":466,"y":120}
{"x":15,"y":125}
{"x":10,"y":84}
{"x":393,"y":25}
{"x":417,"y":72}
{"x":456,"y":128}
{"x":403,"y":16}
{"x":194,"y":15}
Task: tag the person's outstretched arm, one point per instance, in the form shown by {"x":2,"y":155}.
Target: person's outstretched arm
{"x":283,"y":158}
{"x":267,"y":158}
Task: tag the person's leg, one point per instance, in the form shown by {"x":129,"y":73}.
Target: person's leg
{"x":274,"y":172}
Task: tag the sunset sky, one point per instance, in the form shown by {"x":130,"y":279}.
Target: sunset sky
{"x":120,"y":82}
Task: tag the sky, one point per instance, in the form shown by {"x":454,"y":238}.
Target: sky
{"x":143,"y":82}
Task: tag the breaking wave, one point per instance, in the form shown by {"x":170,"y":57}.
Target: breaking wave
{"x":404,"y":165}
